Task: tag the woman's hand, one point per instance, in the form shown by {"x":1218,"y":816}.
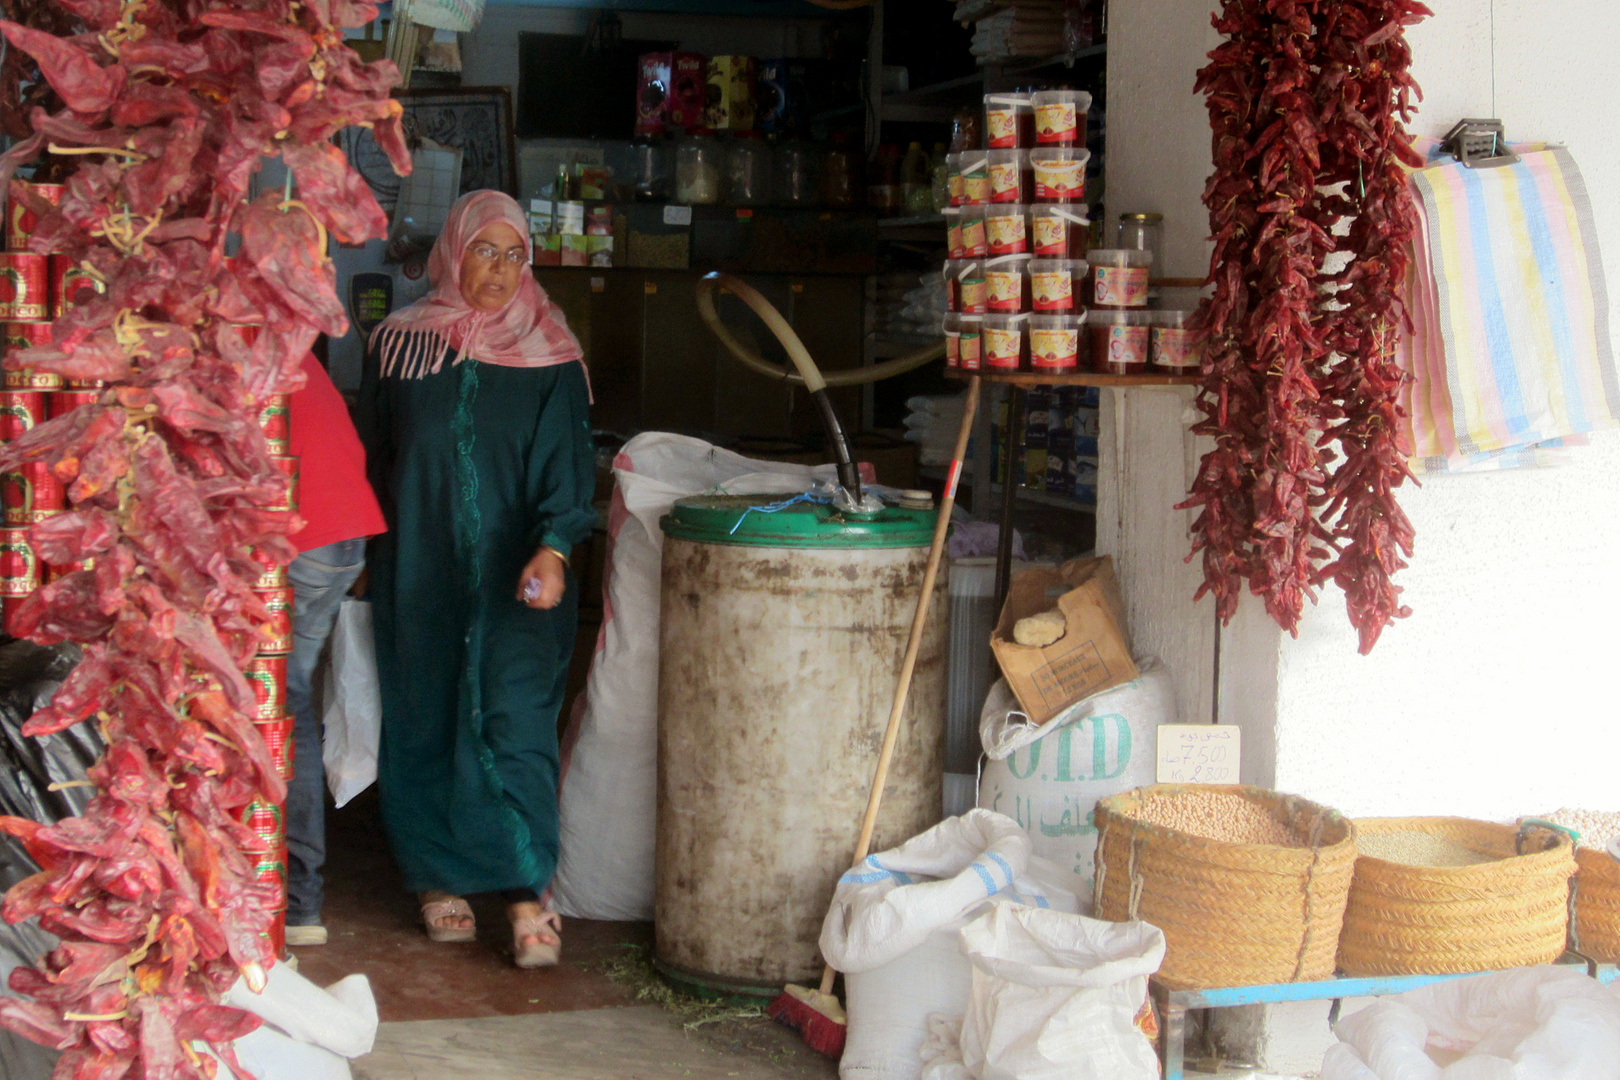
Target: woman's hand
{"x":547,"y":570}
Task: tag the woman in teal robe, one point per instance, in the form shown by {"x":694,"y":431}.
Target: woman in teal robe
{"x":474,"y":413}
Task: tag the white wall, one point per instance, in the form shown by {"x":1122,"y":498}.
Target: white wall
{"x":1494,"y":698}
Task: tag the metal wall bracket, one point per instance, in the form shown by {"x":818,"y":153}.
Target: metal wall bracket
{"x":1479,"y":144}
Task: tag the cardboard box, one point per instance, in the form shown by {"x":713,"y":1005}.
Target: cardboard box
{"x":1092,"y":656}
{"x":729,"y":96}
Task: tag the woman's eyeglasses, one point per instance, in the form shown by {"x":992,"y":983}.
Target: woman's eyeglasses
{"x":493,"y":255}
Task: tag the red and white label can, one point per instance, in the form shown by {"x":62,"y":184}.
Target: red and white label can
{"x":271,"y":869}
{"x":26,"y":335}
{"x":24,"y":296}
{"x":268,"y":677}
{"x":20,"y":412}
{"x":274,"y":577}
{"x":278,"y":629}
{"x":30,"y":493}
{"x":278,"y":739}
{"x":276,"y":422}
{"x":63,"y":402}
{"x":266,"y":820}
{"x":10,"y":608}
{"x":289,"y":468}
{"x":21,"y":221}
{"x":71,"y":284}
{"x":19,"y":569}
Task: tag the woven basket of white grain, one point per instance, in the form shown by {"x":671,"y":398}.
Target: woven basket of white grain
{"x":1597,"y":884}
{"x":1248,"y":885}
{"x":1437,"y":896}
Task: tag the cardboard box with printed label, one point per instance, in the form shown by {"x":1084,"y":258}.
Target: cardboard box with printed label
{"x":1094,"y":653}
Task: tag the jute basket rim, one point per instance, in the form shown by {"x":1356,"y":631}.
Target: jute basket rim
{"x":1482,"y":837}
{"x":1124,"y":805}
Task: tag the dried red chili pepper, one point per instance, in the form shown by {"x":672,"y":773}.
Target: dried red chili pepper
{"x":171,"y":106}
{"x":1307,"y":100}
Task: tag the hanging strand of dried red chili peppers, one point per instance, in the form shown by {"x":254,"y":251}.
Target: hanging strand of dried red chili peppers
{"x":171,"y":104}
{"x":1300,"y":392}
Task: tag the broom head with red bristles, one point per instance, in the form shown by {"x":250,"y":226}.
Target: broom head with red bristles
{"x":817,"y":1017}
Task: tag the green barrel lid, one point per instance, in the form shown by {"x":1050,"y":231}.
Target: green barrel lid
{"x":737,"y":519}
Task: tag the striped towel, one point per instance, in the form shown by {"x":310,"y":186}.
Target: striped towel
{"x":1510,"y":350}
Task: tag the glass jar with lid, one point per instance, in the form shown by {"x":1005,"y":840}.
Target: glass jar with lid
{"x":797,"y":182}
{"x":698,"y":169}
{"x":748,"y":171}
{"x":1144,"y":232}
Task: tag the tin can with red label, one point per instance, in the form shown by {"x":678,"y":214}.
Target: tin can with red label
{"x":52,"y":571}
{"x":289,"y":468}
{"x":71,"y":285}
{"x":278,"y":630}
{"x":277,"y":936}
{"x":29,"y":379}
{"x":26,"y":335}
{"x":276,"y":422}
{"x":274,"y":577}
{"x":83,"y":384}
{"x":278,"y":739}
{"x":24,"y":295}
{"x":20,"y":412}
{"x":268,"y":677}
{"x":65,"y":401}
{"x":30,"y":493}
{"x":10,"y":608}
{"x":19,"y":569}
{"x":21,"y":221}
{"x":271,"y":869}
{"x":265,"y":820}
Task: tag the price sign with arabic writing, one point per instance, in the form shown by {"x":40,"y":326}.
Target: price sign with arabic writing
{"x":1199,"y":753}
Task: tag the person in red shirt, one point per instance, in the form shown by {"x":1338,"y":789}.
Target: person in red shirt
{"x":340,"y":512}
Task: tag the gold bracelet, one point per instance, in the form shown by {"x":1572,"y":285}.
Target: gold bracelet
{"x":554,"y":551}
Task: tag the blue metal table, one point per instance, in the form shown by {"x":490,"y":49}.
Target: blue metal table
{"x":1173,"y":1004}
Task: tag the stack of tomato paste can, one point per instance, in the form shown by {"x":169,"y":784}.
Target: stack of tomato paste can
{"x":35,"y":288}
{"x":268,"y":677}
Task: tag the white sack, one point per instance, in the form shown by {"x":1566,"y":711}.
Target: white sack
{"x":1049,"y":777}
{"x":893,"y":930}
{"x":608,"y":796}
{"x":341,"y":1019}
{"x":353,"y":716}
{"x":1538,"y":1023}
{"x":1055,"y":996}
{"x":267,"y":1054}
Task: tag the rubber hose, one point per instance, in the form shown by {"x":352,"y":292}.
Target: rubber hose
{"x":815,"y":379}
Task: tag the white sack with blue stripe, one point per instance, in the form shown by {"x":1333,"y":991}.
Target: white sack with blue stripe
{"x":894,"y":931}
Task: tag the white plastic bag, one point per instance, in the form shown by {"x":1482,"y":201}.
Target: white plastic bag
{"x":610,"y":759}
{"x":1055,"y":996}
{"x":1048,"y":777}
{"x":893,"y":930}
{"x":309,"y":1033}
{"x":1538,"y":1023}
{"x":353,"y":718}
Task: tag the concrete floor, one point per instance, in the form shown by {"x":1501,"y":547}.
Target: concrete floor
{"x":463,"y":1011}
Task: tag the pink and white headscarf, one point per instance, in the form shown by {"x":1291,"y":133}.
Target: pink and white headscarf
{"x":529,"y":331}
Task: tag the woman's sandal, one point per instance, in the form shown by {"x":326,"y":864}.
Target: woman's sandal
{"x":537,"y":954}
{"x":434,"y":911}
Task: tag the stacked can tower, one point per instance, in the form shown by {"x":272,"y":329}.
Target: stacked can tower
{"x":1025,"y":290}
{"x":268,"y":677}
{"x":1017,"y":233}
{"x":35,"y":288}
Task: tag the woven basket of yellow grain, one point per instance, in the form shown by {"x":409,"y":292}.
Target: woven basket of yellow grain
{"x":1248,"y":885}
{"x":1435,"y":896}
{"x":1597,"y":884}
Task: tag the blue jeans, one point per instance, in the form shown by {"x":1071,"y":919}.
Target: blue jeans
{"x":320,"y":580}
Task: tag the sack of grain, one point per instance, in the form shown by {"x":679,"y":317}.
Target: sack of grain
{"x":1050,"y":776}
{"x":1434,"y":896}
{"x":1597,"y":884}
{"x":1248,"y":885}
